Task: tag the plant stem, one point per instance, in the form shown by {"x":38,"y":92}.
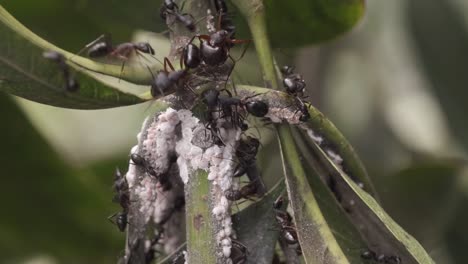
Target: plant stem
{"x":254,"y":12}
{"x":200,"y":246}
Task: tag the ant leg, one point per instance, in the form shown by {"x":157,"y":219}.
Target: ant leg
{"x":168,"y":62}
{"x":111,"y":218}
{"x":182,"y":58}
{"x":152,"y":75}
{"x":220,"y":18}
{"x":181,"y":6}
{"x":122,"y":69}
{"x":140,"y":55}
{"x":239,"y":41}
{"x":230,"y":70}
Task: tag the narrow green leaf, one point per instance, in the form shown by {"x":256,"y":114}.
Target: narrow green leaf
{"x":382,"y":234}
{"x":321,"y":128}
{"x":256,"y":227}
{"x":318,"y":243}
{"x":346,"y":234}
{"x":26,"y":73}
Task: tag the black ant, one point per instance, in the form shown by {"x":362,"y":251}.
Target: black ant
{"x":213,"y":99}
{"x":120,"y":220}
{"x":213,"y":49}
{"x":163,"y":178}
{"x":225,"y":104}
{"x":246,"y":153}
{"x":295,"y":86}
{"x":71,"y":85}
{"x":284,"y":220}
{"x":170,"y":7}
{"x":123,"y":198}
{"x":226,"y":22}
{"x":138,"y":160}
{"x":179,"y":258}
{"x":121,"y":188}
{"x":245,"y":192}
{"x":371,"y":255}
{"x":238,"y":252}
{"x":293,"y":82}
{"x":304,"y":109}
{"x":166,"y":81}
{"x":102,"y":46}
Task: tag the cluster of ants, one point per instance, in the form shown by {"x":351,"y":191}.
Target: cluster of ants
{"x":212,"y":51}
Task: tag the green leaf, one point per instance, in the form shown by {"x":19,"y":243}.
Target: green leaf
{"x":27,"y":74}
{"x":319,"y":245}
{"x":304,"y":22}
{"x":256,"y":227}
{"x":343,"y":229}
{"x":298,"y":23}
{"x":49,"y":208}
{"x":83,"y":21}
{"x":382,"y":234}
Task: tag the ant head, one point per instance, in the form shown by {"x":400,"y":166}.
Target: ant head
{"x":144,"y":47}
{"x":219,"y":37}
{"x":137,"y":159}
{"x":287,"y":70}
{"x":121,"y":221}
{"x":170,"y":4}
{"x":305,"y":116}
{"x":253,"y":142}
{"x":244,"y":126}
{"x":368,"y":254}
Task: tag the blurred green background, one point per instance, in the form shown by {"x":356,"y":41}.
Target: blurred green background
{"x":396,"y":86}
